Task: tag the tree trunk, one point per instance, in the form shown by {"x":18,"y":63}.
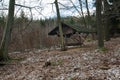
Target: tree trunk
{"x":88,"y":12}
{"x":107,"y":21}
{"x":99,"y":24}
{"x":60,"y":26}
{"x":80,"y":2}
{"x":86,"y":1}
{"x":7,"y":33}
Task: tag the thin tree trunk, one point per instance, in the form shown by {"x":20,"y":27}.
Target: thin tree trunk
{"x":80,"y":2}
{"x":88,"y":12}
{"x":99,"y":24}
{"x":7,"y":33}
{"x":60,"y":26}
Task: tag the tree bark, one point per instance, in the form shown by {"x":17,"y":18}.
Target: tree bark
{"x":7,"y":33}
{"x":99,"y":24}
{"x":88,"y":12}
{"x":80,"y":2}
{"x":107,"y":21}
{"x":60,"y":26}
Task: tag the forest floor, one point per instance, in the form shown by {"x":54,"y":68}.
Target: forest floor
{"x":77,"y":63}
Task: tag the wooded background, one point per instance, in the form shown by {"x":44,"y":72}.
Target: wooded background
{"x":27,"y":33}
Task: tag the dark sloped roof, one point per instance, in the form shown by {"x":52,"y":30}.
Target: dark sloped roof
{"x":75,"y":27}
{"x":83,"y":29}
{"x":56,"y":29}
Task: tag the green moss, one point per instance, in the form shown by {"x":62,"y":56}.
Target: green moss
{"x":88,"y":40}
{"x":56,"y":63}
{"x":103,"y":49}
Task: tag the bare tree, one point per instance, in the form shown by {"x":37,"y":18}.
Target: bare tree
{"x":7,"y":33}
{"x":60,"y":26}
{"x":80,"y":2}
{"x":88,"y":12}
{"x":99,"y":24}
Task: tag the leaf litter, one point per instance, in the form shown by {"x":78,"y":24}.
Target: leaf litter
{"x":79,"y":63}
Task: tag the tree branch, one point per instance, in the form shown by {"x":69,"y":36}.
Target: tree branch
{"x":3,"y":8}
{"x":75,"y":7}
{"x":22,"y":6}
{"x":40,"y":13}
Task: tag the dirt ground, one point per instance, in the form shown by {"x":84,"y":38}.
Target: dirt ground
{"x":77,"y":63}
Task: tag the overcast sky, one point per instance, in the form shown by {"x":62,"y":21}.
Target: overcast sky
{"x":45,"y":8}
